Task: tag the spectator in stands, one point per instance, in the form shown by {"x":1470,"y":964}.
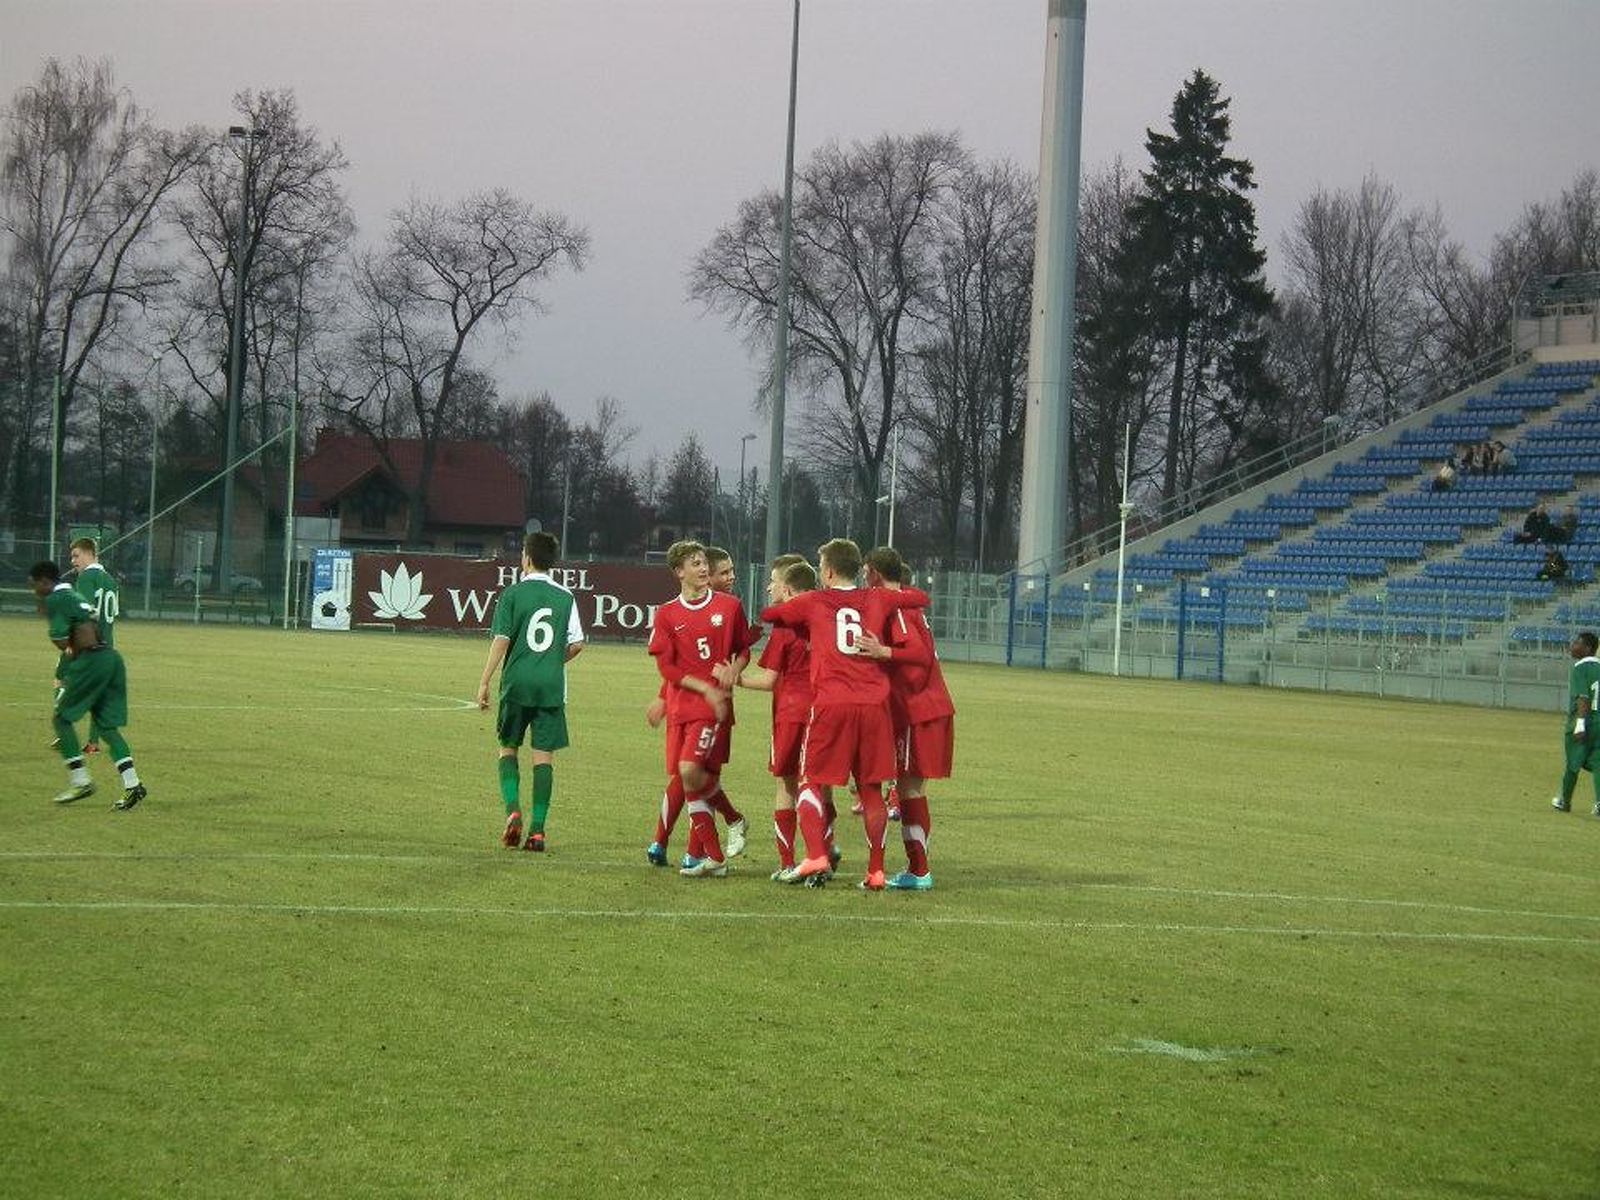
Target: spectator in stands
{"x":1555,"y":566}
{"x":1469,"y":459}
{"x":1446,"y":477}
{"x":1535,"y":526}
{"x":1505,"y":459}
{"x":1563,"y":532}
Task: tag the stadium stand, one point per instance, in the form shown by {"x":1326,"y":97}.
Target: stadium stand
{"x":1369,"y":548}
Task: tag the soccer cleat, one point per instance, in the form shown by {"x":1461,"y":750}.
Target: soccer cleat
{"x":688,"y":861}
{"x":705,"y":868}
{"x":817,"y":881}
{"x":737,"y":835}
{"x":79,"y":791}
{"x":656,"y":853}
{"x":907,"y":882}
{"x":1561,"y":805}
{"x":130,"y":797}
{"x":813,"y":866}
{"x":512,"y":837}
{"x":535,"y":843}
{"x":783,"y":874}
{"x":894,"y":813}
{"x":834,"y":855}
{"x":91,"y":747}
{"x":874,"y":882}
{"x":1597,"y":808}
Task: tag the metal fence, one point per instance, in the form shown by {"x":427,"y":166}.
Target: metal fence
{"x":1466,"y":646}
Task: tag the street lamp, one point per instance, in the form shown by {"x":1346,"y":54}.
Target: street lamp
{"x":155,"y":448}
{"x":248,"y":138}
{"x":744,"y":501}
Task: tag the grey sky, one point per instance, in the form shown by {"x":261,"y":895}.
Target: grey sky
{"x":648,"y":121}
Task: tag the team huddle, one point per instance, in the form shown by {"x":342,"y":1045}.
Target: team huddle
{"x":857,"y":698}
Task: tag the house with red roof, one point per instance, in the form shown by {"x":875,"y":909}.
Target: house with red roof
{"x":476,"y":502}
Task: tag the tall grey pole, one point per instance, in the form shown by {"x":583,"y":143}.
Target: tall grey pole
{"x":742,"y":543}
{"x":155,"y":458}
{"x":566,"y":505}
{"x":55,"y":462}
{"x":1123,"y":511}
{"x":1046,"y":465}
{"x":235,"y":367}
{"x":780,"y":357}
{"x":288,"y":503}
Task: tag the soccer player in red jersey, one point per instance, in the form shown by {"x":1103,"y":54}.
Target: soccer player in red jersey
{"x":784,"y":670}
{"x":923,"y":715}
{"x":849,"y":733}
{"x":699,"y":640}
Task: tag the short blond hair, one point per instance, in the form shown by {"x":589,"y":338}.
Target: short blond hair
{"x":799,"y":576}
{"x":87,"y":544}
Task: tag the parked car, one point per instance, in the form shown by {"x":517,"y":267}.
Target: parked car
{"x":183,"y":581}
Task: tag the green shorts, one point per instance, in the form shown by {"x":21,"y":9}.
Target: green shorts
{"x":95,"y":682}
{"x":548,"y":726}
{"x":1583,"y":754}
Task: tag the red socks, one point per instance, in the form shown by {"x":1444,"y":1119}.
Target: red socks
{"x":671,"y":806}
{"x":876,"y":816}
{"x":722,"y":806}
{"x":915,"y":826}
{"x":703,"y":841}
{"x":784,"y":825}
{"x":813,"y":823}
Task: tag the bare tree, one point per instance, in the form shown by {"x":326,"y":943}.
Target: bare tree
{"x":966,"y":404}
{"x":864,"y":226}
{"x":686,"y":492}
{"x":297,"y":224}
{"x":85,"y":175}
{"x":445,"y":272}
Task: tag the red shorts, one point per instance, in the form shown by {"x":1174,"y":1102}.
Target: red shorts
{"x":848,"y":740}
{"x":928,"y":750}
{"x":788,"y":744}
{"x":704,"y":742}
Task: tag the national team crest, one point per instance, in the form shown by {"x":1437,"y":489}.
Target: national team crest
{"x":716,"y":620}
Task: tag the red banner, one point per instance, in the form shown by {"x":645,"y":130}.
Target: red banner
{"x":434,"y":591}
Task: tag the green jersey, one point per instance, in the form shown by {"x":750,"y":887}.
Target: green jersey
{"x":1584,"y":684}
{"x":65,"y":608}
{"x":540,"y":619}
{"x":98,"y":587}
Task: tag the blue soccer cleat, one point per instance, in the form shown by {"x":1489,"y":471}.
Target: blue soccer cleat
{"x":656,"y":853}
{"x":688,"y":862}
{"x":907,"y":882}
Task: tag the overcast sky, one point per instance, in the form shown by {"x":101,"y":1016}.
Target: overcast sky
{"x":649,"y":120}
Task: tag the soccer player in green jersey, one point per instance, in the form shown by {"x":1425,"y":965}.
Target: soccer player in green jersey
{"x":94,"y":682}
{"x":1580,"y":736}
{"x":98,"y":587}
{"x":536,"y":632}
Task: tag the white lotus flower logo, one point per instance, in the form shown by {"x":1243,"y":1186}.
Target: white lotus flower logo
{"x":401,"y":595}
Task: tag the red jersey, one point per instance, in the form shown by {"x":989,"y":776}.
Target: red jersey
{"x":787,"y":653}
{"x":691,"y":638}
{"x":831,"y":620}
{"x":915,"y":679}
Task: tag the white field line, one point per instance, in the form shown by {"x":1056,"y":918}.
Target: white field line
{"x":790,"y":917}
{"x":466,"y":857}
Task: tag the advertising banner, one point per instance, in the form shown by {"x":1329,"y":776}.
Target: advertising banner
{"x":331,"y":573}
{"x":434,"y":591}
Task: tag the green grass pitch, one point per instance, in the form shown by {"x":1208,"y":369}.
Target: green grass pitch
{"x":1187,"y":941}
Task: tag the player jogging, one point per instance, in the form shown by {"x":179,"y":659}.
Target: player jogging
{"x":1579,"y":736}
{"x":536,"y":632}
{"x":700,"y":641}
{"x":923,"y":715}
{"x":94,"y":683}
{"x":98,"y":587}
{"x":849,"y":733}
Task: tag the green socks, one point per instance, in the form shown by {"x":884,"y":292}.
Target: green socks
{"x":544,"y":783}
{"x":116,"y":743}
{"x":70,"y":747}
{"x":510,"y":781}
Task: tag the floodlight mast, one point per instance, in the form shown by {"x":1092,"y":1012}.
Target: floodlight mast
{"x":1046,"y":520}
{"x":780,"y":357}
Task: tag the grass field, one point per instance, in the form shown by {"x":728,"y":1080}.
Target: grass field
{"x":1187,"y":941}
